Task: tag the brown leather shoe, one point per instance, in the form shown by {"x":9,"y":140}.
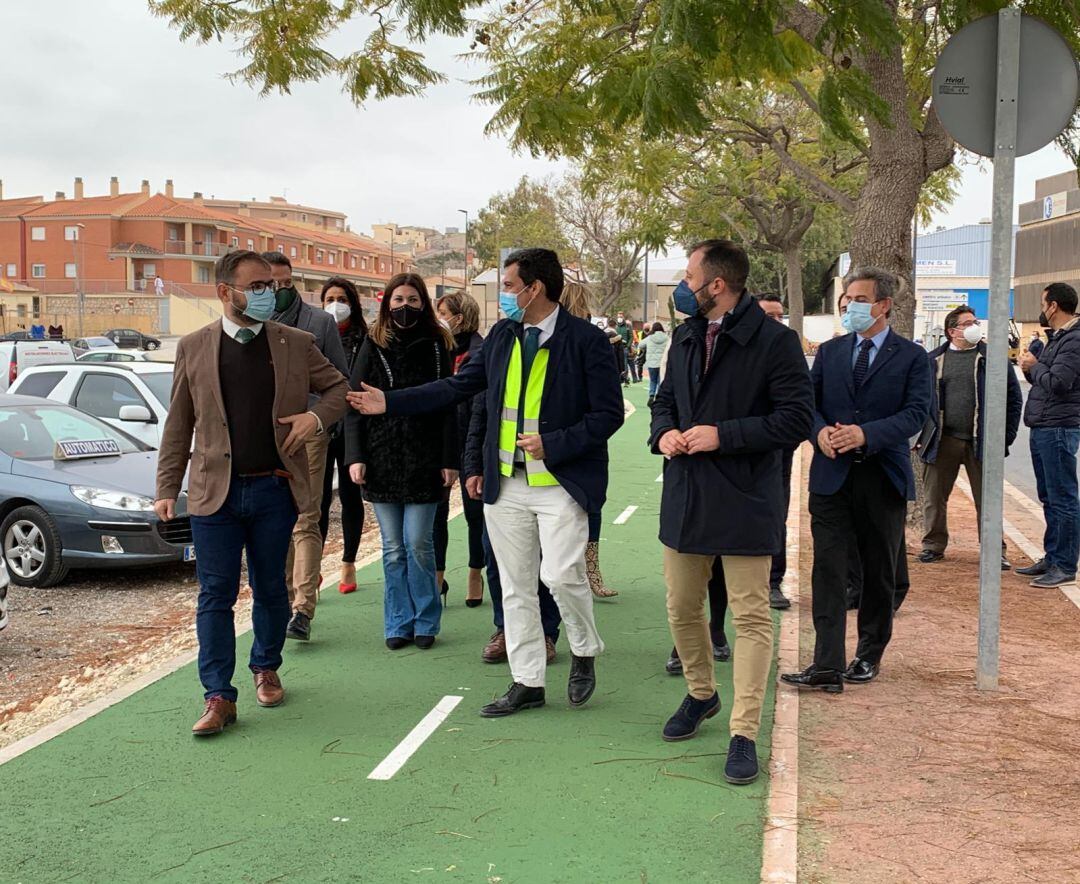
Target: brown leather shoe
{"x":268,"y":689}
{"x":495,"y":649}
{"x":218,"y":715}
{"x":550,"y":645}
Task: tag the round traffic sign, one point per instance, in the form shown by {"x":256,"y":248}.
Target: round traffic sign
{"x":965,"y":85}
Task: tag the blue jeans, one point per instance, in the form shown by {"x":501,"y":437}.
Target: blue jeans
{"x":550,"y":618}
{"x":654,"y":381}
{"x":1053,"y":455}
{"x":411,"y":604}
{"x":258,"y":515}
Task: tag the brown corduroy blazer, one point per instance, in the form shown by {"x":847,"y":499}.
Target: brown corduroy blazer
{"x":197,"y":407}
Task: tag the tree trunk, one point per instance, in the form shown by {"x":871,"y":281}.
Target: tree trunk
{"x":793,"y":263}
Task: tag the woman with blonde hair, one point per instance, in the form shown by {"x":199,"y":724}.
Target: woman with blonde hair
{"x":575,"y":300}
{"x":406,"y":465}
{"x":460,"y":314}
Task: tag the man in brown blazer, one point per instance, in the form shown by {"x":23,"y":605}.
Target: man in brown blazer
{"x":241,"y":386}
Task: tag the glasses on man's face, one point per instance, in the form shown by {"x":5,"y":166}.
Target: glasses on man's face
{"x":963,"y":325}
{"x":282,"y":284}
{"x":256,"y":288}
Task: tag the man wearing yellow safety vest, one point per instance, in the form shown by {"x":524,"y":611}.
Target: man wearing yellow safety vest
{"x":553,"y":401}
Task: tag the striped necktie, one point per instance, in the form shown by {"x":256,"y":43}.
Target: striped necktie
{"x":862,"y":363}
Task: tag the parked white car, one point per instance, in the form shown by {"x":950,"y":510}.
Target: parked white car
{"x":131,"y":396}
{"x":115,"y":354}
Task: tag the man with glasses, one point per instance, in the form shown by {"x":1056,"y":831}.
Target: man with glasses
{"x":305,"y":551}
{"x":244,"y":383}
{"x":953,"y":432}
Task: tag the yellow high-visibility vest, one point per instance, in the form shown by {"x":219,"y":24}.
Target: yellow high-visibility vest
{"x":536,"y":472}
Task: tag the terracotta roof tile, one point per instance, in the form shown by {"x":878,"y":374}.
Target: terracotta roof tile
{"x":98,"y":206}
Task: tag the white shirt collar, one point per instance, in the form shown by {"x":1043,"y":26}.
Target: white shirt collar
{"x":231,"y":328}
{"x":547,"y":324}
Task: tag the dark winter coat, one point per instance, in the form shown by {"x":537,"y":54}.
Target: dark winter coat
{"x":1014,"y":403}
{"x":582,"y":404}
{"x":1054,"y":399}
{"x":757,"y":394}
{"x":352,"y":339}
{"x":891,"y":407}
{"x":405,"y":456}
{"x":467,"y":346}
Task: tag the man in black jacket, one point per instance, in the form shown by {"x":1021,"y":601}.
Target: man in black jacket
{"x":1053,"y":414}
{"x":735,"y":395}
{"x":953,"y":434}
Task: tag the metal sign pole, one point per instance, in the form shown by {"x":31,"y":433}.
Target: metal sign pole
{"x":1005,"y":132}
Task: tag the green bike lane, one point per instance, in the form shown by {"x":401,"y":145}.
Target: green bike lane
{"x":551,"y":795}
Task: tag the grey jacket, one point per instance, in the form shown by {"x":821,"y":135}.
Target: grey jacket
{"x":322,"y":326}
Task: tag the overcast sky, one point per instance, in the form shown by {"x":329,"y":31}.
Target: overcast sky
{"x":113,"y":91}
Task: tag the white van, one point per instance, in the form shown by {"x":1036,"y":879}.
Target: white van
{"x":18,"y":355}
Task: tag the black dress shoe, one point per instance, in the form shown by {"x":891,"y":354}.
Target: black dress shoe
{"x":423,"y":642}
{"x":928,"y":555}
{"x":777,"y":600}
{"x":829,"y":680}
{"x":299,"y":627}
{"x":514,"y":700}
{"x":861,"y":671}
{"x":397,"y":642}
{"x":721,"y":650}
{"x":674,"y":664}
{"x":1035,"y":570}
{"x":582,"y":679}
{"x":1006,"y":565}
{"x":742,"y":763}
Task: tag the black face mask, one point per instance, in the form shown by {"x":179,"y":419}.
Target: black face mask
{"x":1043,"y":321}
{"x":405,"y":316}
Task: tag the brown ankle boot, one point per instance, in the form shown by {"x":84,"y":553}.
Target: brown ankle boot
{"x":219,"y":713}
{"x":592,"y":569}
{"x":495,"y":649}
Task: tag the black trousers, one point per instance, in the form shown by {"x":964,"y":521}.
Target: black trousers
{"x":352,"y":501}
{"x":779,"y":561}
{"x":903,"y":578}
{"x":867,"y":513}
{"x":474,"y":517}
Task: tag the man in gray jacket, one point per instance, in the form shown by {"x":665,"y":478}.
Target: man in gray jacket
{"x":305,"y":552}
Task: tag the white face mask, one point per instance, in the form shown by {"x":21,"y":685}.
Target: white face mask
{"x":339,"y":311}
{"x":973,"y":334}
{"x":445,"y":324}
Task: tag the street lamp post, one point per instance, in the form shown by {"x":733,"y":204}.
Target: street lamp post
{"x":465,"y":212}
{"x":75,"y":260}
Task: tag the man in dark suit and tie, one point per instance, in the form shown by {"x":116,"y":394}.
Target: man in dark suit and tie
{"x":872,"y":390}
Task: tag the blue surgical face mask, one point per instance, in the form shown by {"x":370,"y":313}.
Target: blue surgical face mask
{"x":858,"y":317}
{"x":685,"y":299}
{"x":508,"y":303}
{"x":261,"y":306}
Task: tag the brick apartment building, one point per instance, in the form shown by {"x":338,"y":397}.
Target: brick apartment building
{"x":109,"y":248}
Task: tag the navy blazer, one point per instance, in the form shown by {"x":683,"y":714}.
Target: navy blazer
{"x":891,"y":407}
{"x":581,"y":409}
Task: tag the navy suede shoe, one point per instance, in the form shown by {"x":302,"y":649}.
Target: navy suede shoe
{"x":685,"y":722}
{"x":742,"y":764}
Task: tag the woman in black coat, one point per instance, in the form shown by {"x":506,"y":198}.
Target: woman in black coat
{"x":461,"y":315}
{"x":341,"y":300}
{"x":406,"y":465}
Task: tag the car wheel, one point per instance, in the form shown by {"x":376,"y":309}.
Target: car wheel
{"x":152,"y":345}
{"x":32,"y":548}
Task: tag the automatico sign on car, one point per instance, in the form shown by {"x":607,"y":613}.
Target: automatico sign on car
{"x":74,"y":450}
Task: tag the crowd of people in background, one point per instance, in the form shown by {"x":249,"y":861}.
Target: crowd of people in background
{"x":286,"y":399}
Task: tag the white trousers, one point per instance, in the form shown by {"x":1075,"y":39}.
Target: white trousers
{"x":540,"y":530}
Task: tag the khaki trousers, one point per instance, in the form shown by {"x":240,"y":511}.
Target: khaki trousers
{"x":939,"y":478}
{"x":305,"y":551}
{"x":747,"y":579}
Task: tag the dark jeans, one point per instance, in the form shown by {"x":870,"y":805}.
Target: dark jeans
{"x":258,"y":516}
{"x":352,"y":501}
{"x":595,"y":522}
{"x":1053,"y":455}
{"x":868,"y":513}
{"x":474,"y":517}
{"x":654,"y":381}
{"x":717,"y":605}
{"x":550,"y":618}
{"x":779,"y":561}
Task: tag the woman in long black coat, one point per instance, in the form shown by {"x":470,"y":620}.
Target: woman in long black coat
{"x":406,"y":465}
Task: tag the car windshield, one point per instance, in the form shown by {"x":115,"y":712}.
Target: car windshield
{"x":99,"y":342}
{"x":30,"y":432}
{"x":160,"y":384}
